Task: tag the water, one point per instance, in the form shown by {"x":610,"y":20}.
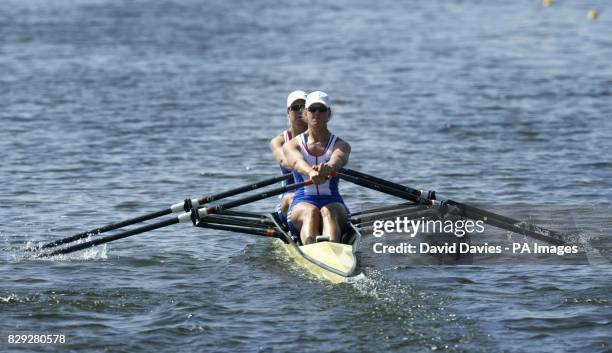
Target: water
{"x":113,"y":109}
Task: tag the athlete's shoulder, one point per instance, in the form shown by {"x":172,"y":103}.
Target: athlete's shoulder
{"x":292,"y":143}
{"x":340,"y":143}
{"x":278,"y":140}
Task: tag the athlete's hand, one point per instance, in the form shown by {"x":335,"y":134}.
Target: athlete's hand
{"x":315,"y":176}
{"x":325,"y":170}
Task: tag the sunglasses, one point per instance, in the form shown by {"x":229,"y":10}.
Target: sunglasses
{"x":296,"y":107}
{"x":318,"y":109}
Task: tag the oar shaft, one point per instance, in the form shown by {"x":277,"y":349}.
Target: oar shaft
{"x":416,"y":193}
{"x":383,"y":208}
{"x":258,"y":185}
{"x":110,"y":238}
{"x":415,"y":212}
{"x":468,"y":211}
{"x":510,"y":224}
{"x":484,"y":213}
{"x":182,"y":218}
{"x":235,"y":221}
{"x":231,"y":204}
{"x":175,"y":208}
{"x":106,"y":228}
{"x":244,"y":214}
{"x":266,"y":232}
{"x":380,"y":187}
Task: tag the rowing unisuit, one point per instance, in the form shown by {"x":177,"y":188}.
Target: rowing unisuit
{"x":317,"y":195}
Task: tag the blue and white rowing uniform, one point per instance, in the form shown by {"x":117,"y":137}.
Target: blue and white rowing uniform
{"x":317,"y":195}
{"x":283,"y":217}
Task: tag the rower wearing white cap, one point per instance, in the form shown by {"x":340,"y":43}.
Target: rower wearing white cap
{"x":297,"y":125}
{"x":317,"y":209}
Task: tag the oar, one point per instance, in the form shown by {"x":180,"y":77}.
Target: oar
{"x":194,"y":216}
{"x":266,"y":232}
{"x":185,"y":206}
{"x":412,"y":195}
{"x":380,"y":183}
{"x":245,"y":214}
{"x":383,"y":208}
{"x":415,"y":212}
{"x":236,"y":221}
{"x":496,"y":220}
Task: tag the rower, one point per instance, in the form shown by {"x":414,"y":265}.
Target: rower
{"x":297,"y":125}
{"x":317,"y":209}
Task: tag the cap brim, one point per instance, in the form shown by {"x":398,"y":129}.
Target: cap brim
{"x":319,"y":101}
{"x":293,"y":101}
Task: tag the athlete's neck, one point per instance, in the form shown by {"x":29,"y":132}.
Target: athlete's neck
{"x":318,"y":135}
{"x":296,"y":130}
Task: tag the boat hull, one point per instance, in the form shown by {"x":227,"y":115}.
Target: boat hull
{"x":333,"y":262}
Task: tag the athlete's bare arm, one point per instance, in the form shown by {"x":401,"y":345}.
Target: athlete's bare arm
{"x":296,"y":162}
{"x":338,"y":159}
{"x":276,"y":146}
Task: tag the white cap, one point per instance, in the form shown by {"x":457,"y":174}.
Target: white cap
{"x":295,"y":95}
{"x":318,"y":97}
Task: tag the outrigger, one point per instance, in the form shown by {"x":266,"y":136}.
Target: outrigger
{"x":335,"y":262}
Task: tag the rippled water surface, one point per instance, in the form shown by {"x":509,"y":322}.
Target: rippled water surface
{"x":112,"y":109}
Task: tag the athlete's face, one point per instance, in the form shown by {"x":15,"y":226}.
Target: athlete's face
{"x":295,"y":112}
{"x":317,"y":114}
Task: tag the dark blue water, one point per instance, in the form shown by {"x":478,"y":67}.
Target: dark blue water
{"x":112,"y":109}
